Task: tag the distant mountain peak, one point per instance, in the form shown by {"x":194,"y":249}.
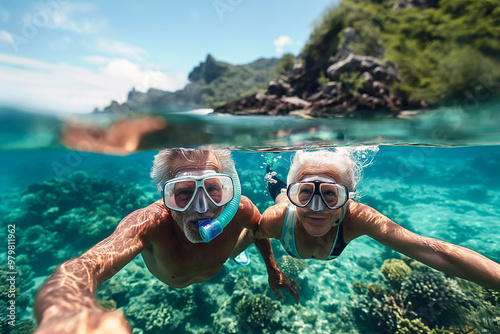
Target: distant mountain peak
{"x":210,"y":58}
{"x":212,"y":82}
{"x":208,"y":71}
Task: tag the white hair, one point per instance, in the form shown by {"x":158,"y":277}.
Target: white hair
{"x":345,"y":161}
{"x":161,"y":171}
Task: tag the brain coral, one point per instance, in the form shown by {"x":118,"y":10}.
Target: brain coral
{"x":395,"y":271}
{"x":291,"y":267}
{"x":257,"y":311}
{"x":431,"y":293}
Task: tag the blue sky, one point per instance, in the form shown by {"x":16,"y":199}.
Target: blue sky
{"x":73,"y":56}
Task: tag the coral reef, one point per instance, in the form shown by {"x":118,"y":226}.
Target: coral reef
{"x":415,"y":326}
{"x":160,"y":309}
{"x":256,"y":311}
{"x":375,"y":291}
{"x":487,"y":318}
{"x":107,"y":305}
{"x":10,"y":287}
{"x":153,"y":307}
{"x":426,"y":301}
{"x":24,"y":326}
{"x":389,"y":311}
{"x":458,"y":330}
{"x":432,"y":293}
{"x":82,"y":209}
{"x":359,"y":288}
{"x":290,"y":266}
{"x":395,"y":271}
{"x":492,"y":296}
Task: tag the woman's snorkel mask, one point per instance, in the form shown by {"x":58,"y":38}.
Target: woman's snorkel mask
{"x":192,"y":190}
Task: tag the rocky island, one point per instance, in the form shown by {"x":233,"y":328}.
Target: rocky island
{"x":369,"y":58}
{"x":363,"y":58}
{"x":355,"y":85}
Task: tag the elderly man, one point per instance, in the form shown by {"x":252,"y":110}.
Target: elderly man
{"x":183,"y":240}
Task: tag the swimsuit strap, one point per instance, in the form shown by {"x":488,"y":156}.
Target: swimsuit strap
{"x":288,"y":232}
{"x":339,"y":243}
{"x":342,"y":213}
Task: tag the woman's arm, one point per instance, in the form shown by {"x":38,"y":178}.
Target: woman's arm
{"x":253,"y":234}
{"x":452,"y":259}
{"x":270,"y":226}
{"x":66,"y":304}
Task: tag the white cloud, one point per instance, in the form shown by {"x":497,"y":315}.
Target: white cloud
{"x":281,"y":42}
{"x":6,"y":37}
{"x":116,"y":48}
{"x":76,"y":17}
{"x":65,"y":88}
{"x":96,"y":59}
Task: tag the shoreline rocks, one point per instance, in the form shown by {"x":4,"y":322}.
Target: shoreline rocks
{"x":355,"y":86}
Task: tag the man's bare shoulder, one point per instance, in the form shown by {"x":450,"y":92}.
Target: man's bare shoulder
{"x":246,"y":205}
{"x":146,"y":219}
{"x":247,"y":214}
{"x":156,"y":209}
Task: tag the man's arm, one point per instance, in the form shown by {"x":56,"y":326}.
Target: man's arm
{"x":452,"y":259}
{"x":250,"y":217}
{"x":66,"y":301}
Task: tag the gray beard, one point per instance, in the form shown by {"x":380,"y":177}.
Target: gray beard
{"x":187,"y":223}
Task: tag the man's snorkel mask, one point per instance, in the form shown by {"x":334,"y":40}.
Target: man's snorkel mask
{"x":181,"y":192}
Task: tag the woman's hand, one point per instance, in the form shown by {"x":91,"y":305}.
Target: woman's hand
{"x":82,"y":321}
{"x":278,"y":280}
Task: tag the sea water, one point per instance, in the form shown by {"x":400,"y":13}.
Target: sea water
{"x":435,"y":173}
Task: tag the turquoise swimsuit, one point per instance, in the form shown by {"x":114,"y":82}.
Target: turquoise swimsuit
{"x":288,"y":235}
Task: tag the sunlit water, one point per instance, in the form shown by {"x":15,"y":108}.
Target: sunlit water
{"x":441,"y":180}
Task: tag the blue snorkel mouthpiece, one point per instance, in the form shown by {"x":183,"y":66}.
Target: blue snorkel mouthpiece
{"x":209,"y":228}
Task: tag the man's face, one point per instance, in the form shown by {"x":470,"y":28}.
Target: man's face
{"x":201,"y":207}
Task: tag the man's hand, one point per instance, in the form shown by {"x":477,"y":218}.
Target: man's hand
{"x":278,"y":280}
{"x":82,"y":321}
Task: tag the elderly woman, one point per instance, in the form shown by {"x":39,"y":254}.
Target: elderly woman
{"x":316,"y":217}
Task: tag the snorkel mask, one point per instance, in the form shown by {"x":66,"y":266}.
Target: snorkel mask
{"x":318,"y":191}
{"x":189,"y":190}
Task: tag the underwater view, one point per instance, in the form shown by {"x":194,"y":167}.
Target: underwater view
{"x":370,"y":126}
{"x":57,"y":202}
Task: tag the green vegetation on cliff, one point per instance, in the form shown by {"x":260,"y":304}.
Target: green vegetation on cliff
{"x":219,"y":82}
{"x":445,"y":49}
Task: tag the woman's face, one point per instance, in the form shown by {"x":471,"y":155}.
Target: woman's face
{"x":317,"y":222}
